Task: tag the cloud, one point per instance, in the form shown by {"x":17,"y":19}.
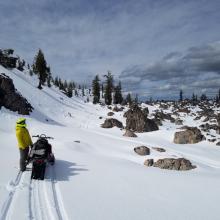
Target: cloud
{"x":81,"y":38}
{"x":195,"y":70}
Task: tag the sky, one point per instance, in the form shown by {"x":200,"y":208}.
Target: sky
{"x":155,"y":47}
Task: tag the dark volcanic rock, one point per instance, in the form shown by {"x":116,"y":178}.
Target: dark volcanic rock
{"x":110,"y":113}
{"x":11,"y":99}
{"x":142,"y":150}
{"x":191,"y":135}
{"x":149,"y":162}
{"x":174,"y":164}
{"x":111,"y":122}
{"x":129,"y":133}
{"x":159,"y":149}
{"x":136,"y":120}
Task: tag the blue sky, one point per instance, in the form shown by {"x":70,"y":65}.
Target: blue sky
{"x":154,"y":47}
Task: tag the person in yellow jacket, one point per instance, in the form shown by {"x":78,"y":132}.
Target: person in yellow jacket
{"x":24,"y":141}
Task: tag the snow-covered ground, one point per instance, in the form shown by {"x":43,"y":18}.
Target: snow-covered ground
{"x":97,"y":174}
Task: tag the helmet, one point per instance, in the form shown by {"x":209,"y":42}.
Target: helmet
{"x":21,"y":122}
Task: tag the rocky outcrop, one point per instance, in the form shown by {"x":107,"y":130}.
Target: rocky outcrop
{"x":178,"y":121}
{"x":117,"y":109}
{"x":160,"y":115}
{"x":111,"y":122}
{"x":110,"y":113}
{"x":159,"y":149}
{"x":142,"y":150}
{"x":129,"y":133}
{"x":137,"y":121}
{"x":191,"y":135}
{"x":149,"y":162}
{"x":11,"y":99}
{"x":171,"y":164}
{"x":7,"y":60}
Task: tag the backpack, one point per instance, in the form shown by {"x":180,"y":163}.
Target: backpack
{"x":40,"y":149}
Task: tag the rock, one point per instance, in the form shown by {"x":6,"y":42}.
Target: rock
{"x":129,"y":133}
{"x":149,"y":162}
{"x":191,"y":135}
{"x":174,"y":164}
{"x":142,"y":150}
{"x":159,"y":149}
{"x":178,"y":122}
{"x":7,"y":60}
{"x":11,"y":99}
{"x":162,"y":116}
{"x":117,"y":109}
{"x":218,"y":143}
{"x":100,"y":117}
{"x":137,"y":121}
{"x":110,"y":113}
{"x":111,"y":122}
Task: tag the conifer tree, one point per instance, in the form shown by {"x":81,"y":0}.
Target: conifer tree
{"x":181,"y":95}
{"x":70,"y":90}
{"x":65,"y":85}
{"x":40,"y":68}
{"x":118,"y":95}
{"x":56,"y":81}
{"x":49,"y":77}
{"x":96,"y":90}
{"x":108,"y":88}
{"x":129,"y":99}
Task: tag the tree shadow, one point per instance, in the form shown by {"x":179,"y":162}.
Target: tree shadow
{"x":63,"y":170}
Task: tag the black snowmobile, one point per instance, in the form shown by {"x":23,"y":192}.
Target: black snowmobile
{"x":41,"y":154}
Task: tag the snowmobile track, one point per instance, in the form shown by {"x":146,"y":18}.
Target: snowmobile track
{"x":44,"y":201}
{"x":9,"y":199}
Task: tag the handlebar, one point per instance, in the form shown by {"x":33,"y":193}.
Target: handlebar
{"x":42,"y":136}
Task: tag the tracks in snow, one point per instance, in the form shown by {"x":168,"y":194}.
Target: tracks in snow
{"x":43,"y":198}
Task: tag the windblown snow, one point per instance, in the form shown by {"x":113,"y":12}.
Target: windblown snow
{"x":97,"y":174}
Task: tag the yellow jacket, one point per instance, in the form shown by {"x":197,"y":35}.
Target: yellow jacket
{"x":23,"y":137}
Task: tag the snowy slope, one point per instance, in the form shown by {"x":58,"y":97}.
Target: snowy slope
{"x":97,"y":175}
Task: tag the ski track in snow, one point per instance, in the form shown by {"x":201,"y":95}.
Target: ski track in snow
{"x":9,"y":199}
{"x":44,"y":198}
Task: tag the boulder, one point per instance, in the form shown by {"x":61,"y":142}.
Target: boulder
{"x":117,"y":109}
{"x":137,"y":121}
{"x":218,"y":143}
{"x":191,"y":135}
{"x":11,"y":99}
{"x":142,"y":150}
{"x":110,"y":113}
{"x":178,"y":121}
{"x":159,"y":149}
{"x":149,"y":162}
{"x":111,"y":122}
{"x":174,"y":164}
{"x":129,"y":133}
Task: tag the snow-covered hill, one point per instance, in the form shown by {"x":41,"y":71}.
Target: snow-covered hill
{"x":97,"y":174}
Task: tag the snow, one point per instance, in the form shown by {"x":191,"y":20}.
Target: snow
{"x":97,"y":175}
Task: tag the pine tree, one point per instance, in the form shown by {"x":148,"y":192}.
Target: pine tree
{"x":108,"y":89}
{"x":136,"y":99}
{"x":203,"y":97}
{"x":102,"y":91}
{"x":49,"y":77}
{"x":40,"y":68}
{"x":129,"y":99}
{"x":118,"y":96}
{"x":70,"y":90}
{"x":56,"y":81}
{"x":181,"y":95}
{"x":96,"y":90}
{"x":65,"y":85}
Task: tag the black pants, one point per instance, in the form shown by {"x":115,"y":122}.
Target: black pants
{"x":23,"y":158}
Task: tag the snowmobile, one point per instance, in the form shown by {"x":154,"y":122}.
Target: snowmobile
{"x":41,"y":154}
